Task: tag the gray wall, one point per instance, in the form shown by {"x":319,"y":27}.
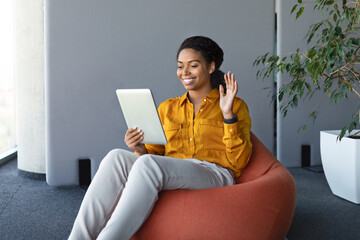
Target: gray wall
{"x":290,"y":36}
{"x":94,"y":47}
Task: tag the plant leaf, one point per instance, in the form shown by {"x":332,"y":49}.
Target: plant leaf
{"x":302,"y":127}
{"x":295,"y":100}
{"x":301,"y":10}
{"x":344,"y":89}
{"x":293,"y":9}
{"x":342,"y":133}
{"x":351,"y":127}
{"x":281,"y":95}
{"x":312,"y":53}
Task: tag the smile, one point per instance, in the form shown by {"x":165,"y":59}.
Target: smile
{"x":188,"y":80}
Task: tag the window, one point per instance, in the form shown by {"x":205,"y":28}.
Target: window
{"x":7,"y":80}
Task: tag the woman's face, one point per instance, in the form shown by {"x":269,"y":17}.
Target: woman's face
{"x":193,"y":71}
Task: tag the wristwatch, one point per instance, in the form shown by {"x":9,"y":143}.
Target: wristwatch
{"x":231,"y":120}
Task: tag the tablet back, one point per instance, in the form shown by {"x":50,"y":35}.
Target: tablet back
{"x":139,"y":111}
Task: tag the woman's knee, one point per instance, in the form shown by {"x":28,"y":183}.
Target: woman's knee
{"x":146,"y":166}
{"x":115,"y":157}
{"x":115,"y":152}
{"x":144,"y":162}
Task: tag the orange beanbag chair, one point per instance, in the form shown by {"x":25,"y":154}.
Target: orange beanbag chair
{"x":260,"y":206}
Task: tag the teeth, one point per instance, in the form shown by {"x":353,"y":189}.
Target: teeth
{"x":188,"y":80}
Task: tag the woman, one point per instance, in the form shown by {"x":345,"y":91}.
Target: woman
{"x":208,"y":135}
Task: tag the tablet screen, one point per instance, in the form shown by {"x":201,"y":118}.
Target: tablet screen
{"x":139,"y":111}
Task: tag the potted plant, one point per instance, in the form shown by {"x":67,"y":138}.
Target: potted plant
{"x":330,"y":65}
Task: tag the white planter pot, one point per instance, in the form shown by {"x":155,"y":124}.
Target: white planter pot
{"x":341,"y":163}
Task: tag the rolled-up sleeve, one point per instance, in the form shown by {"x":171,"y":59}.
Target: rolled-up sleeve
{"x":155,"y":149}
{"x":237,"y":139}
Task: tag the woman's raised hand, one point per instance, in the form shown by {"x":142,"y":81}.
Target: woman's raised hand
{"x":133,"y":137}
{"x":227,"y":101}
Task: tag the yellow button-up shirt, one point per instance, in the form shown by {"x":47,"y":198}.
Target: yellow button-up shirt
{"x":205,"y":137}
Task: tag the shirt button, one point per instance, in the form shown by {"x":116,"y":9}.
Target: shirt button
{"x":190,"y":139}
{"x":205,"y":100}
{"x":201,"y":110}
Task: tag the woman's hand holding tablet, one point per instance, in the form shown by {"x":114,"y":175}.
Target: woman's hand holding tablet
{"x":133,"y":138}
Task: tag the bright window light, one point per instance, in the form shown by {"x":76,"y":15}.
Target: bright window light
{"x":7,"y":81}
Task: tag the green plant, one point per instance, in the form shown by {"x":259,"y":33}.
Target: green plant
{"x":330,"y":64}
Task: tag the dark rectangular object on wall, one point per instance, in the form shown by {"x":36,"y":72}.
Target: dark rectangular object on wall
{"x":84,"y":172}
{"x":305,"y":155}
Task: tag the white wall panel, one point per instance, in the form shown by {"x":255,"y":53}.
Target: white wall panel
{"x":30,"y":89}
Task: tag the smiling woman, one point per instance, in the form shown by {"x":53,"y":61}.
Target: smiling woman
{"x":7,"y":94}
{"x":208,"y":145}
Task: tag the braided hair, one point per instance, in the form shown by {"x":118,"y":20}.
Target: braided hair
{"x":210,"y":51}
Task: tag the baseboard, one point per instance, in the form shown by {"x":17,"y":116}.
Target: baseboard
{"x":32,"y":176}
{"x":317,"y":169}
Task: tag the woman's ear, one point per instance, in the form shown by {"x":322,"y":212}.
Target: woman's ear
{"x":212,"y":67}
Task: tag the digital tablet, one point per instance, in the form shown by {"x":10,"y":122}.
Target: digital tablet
{"x":139,"y":111}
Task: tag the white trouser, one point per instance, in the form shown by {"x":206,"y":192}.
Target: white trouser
{"x":118,"y":200}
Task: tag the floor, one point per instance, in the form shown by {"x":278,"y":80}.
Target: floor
{"x":31,"y":209}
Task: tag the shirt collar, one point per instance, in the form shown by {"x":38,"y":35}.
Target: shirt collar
{"x":212,"y":96}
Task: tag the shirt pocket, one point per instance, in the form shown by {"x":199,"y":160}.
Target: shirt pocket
{"x":211,"y":133}
{"x":174,"y":138}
